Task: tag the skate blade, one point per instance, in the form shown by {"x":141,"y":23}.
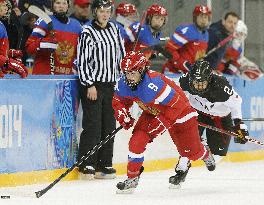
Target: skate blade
{"x":126,"y":191}
{"x":100,"y":175}
{"x":174,"y":186}
{"x":86,"y":176}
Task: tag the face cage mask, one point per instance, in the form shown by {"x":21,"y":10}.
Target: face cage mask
{"x":134,"y":85}
{"x":193,"y":89}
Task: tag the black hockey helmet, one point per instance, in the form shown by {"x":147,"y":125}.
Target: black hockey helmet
{"x":101,"y":4}
{"x":201,"y":72}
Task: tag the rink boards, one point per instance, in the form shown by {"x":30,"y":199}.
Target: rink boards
{"x":40,"y":121}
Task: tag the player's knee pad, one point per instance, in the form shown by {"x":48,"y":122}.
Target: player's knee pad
{"x":138,"y":141}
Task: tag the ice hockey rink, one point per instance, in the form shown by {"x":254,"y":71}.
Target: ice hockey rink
{"x":230,"y":183}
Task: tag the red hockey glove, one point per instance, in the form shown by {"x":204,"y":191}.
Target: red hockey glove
{"x":49,"y":43}
{"x":12,"y":53}
{"x":158,"y":126}
{"x":124,"y":118}
{"x":242,"y":131}
{"x":17,"y":67}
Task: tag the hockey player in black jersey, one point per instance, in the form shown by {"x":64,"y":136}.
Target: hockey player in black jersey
{"x":218,"y":105}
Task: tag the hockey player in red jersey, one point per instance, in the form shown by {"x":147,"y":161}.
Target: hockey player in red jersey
{"x":10,"y":60}
{"x":189,"y":41}
{"x":165,"y":107}
{"x":150,"y":33}
{"x":126,"y":14}
{"x":63,"y":44}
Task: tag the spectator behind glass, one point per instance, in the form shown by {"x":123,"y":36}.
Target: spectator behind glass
{"x":218,"y":31}
{"x":81,"y":11}
{"x":63,"y":44}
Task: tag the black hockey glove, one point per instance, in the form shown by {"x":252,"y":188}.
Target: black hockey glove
{"x":242,"y":131}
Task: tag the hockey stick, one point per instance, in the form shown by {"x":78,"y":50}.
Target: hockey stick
{"x":230,"y":133}
{"x":79,"y":162}
{"x":253,"y":119}
{"x":168,"y":55}
{"x":220,"y":44}
{"x":160,"y":49}
{"x":41,"y":14}
{"x":139,"y":29}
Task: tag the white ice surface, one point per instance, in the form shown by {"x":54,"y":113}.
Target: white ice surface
{"x":230,"y":183}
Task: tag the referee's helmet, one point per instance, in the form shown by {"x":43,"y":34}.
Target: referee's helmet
{"x":101,"y":4}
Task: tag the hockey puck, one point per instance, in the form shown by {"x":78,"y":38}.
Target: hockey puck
{"x":5,"y":197}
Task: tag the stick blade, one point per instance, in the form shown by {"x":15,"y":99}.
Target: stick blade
{"x":39,"y":194}
{"x":38,"y":12}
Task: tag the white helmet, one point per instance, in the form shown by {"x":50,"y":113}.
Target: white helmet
{"x":241,"y":30}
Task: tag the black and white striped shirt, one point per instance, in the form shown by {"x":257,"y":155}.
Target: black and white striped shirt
{"x":99,"y":54}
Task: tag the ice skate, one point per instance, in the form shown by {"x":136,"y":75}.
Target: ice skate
{"x":105,"y":173}
{"x":176,"y":180}
{"x":209,"y":161}
{"x":86,"y":173}
{"x":128,"y":186}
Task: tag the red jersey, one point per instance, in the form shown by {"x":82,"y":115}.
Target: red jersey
{"x":189,"y":44}
{"x":66,"y":36}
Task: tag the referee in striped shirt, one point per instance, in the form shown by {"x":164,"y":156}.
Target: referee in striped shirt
{"x":100,"y":51}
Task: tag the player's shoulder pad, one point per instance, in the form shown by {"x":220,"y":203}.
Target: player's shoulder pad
{"x":121,"y":88}
{"x":220,"y":86}
{"x":75,"y":25}
{"x":153,"y":74}
{"x":74,"y":21}
{"x":134,"y":26}
{"x":185,"y":29}
{"x":184,"y":82}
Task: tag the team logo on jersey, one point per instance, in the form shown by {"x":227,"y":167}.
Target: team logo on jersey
{"x":65,"y":52}
{"x":151,"y":110}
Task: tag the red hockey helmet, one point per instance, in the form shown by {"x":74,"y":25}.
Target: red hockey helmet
{"x":156,"y":9}
{"x":125,"y":9}
{"x":134,"y":61}
{"x":201,"y":9}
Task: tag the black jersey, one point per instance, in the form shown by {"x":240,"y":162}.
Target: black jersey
{"x":220,"y":99}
